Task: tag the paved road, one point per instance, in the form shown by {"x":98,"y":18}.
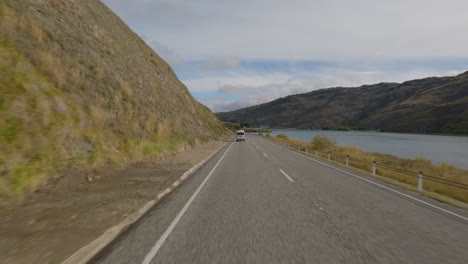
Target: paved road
{"x":255,"y":202}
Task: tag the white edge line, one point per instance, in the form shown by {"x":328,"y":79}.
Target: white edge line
{"x":287,"y":176}
{"x":380,"y":185}
{"x":90,"y":251}
{"x":149,"y":257}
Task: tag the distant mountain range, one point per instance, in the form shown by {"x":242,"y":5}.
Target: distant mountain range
{"x":429,"y":105}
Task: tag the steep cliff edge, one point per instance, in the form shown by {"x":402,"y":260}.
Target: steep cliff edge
{"x":79,"y":88}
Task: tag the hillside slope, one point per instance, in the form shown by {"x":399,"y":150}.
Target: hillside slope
{"x":79,"y":88}
{"x":430,"y":105}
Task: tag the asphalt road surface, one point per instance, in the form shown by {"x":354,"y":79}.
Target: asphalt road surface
{"x":256,"y":202}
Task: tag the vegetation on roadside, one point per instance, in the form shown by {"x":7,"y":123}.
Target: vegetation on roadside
{"x":264,"y":130}
{"x":322,"y":143}
{"x":282,"y":136}
{"x":233,"y":126}
{"x":337,"y":128}
{"x":362,"y":160}
{"x":69,"y":98}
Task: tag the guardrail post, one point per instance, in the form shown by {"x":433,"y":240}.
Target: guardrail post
{"x":316,"y":153}
{"x":374,"y":168}
{"x":347,"y":160}
{"x":420,"y":181}
{"x":329,"y":155}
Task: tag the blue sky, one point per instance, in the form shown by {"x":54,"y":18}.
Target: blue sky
{"x":232,"y":54}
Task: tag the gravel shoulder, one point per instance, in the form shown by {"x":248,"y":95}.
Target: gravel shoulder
{"x":74,"y":209}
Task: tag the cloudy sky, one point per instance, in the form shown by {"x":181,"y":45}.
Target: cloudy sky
{"x":232,"y":54}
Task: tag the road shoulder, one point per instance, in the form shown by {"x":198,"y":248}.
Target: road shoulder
{"x":59,"y":220}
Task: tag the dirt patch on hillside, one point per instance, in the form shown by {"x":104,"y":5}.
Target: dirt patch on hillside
{"x":76,"y":208}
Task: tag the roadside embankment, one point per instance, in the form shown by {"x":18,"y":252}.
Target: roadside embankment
{"x":65,"y":215}
{"x":438,"y":180}
{"x":78,"y":88}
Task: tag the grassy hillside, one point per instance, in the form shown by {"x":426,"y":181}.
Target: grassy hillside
{"x":79,"y":88}
{"x":430,"y":105}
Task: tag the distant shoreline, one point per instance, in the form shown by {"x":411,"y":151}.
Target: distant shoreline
{"x":352,"y":130}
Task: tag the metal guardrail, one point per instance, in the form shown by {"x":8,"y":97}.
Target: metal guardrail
{"x":373,"y":166}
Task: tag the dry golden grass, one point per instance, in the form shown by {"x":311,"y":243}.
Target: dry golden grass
{"x":52,"y":66}
{"x":363,"y":160}
{"x":71,"y":98}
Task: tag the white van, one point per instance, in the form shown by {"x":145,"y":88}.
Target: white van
{"x":240,"y":135}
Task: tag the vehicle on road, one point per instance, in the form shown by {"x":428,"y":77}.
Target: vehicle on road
{"x":240,"y":135}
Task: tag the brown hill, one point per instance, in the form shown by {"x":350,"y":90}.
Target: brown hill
{"x":430,"y":105}
{"x":78,"y":87}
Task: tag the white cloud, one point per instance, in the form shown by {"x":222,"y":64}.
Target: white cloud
{"x":213,"y":83}
{"x":260,"y":89}
{"x":364,"y":40}
{"x":331,"y":29}
{"x":164,"y":51}
{"x":222,"y":63}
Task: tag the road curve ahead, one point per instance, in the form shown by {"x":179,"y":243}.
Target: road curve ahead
{"x":256,"y":202}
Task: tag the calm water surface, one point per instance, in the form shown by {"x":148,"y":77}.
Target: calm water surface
{"x":438,"y":148}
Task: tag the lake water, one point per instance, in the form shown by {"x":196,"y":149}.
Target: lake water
{"x":438,"y":148}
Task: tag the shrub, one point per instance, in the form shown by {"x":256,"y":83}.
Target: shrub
{"x":342,"y":128}
{"x":282,"y":136}
{"x":322,"y":142}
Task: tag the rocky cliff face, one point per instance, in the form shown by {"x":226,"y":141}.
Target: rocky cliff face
{"x":430,"y":105}
{"x":78,"y":87}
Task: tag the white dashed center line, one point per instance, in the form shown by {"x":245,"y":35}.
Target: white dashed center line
{"x":285,"y":175}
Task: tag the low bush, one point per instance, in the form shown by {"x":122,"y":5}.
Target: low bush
{"x":323,"y":143}
{"x":282,"y":136}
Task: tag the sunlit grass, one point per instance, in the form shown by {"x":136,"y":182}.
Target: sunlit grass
{"x":63,"y":106}
{"x":38,"y":124}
